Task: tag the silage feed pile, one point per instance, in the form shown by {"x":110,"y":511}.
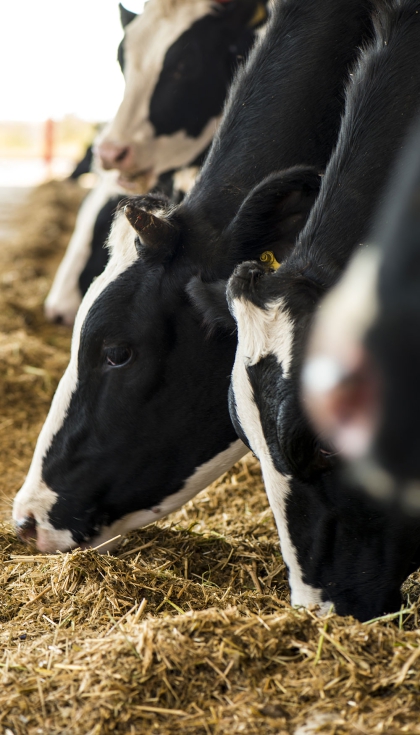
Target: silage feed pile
{"x":187,"y":628}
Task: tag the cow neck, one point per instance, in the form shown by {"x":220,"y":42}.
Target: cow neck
{"x":273,"y":121}
{"x":382,"y":100}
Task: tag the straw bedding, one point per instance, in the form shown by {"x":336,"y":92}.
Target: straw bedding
{"x":187,"y":628}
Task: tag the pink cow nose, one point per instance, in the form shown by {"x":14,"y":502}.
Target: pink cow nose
{"x":113,"y":155}
{"x":26,"y":528}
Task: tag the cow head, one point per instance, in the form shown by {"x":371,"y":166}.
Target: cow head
{"x":140,"y":420}
{"x":179,"y":57}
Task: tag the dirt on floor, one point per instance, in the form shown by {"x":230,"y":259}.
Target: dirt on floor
{"x":187,"y":627}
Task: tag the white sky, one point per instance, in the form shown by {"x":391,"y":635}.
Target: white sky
{"x":59,"y":57}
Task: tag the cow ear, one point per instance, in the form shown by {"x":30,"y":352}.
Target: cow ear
{"x":126,"y":16}
{"x":273,"y":214}
{"x":209,"y":300}
{"x":157,"y":236}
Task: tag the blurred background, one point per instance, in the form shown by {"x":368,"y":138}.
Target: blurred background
{"x":60,"y":79}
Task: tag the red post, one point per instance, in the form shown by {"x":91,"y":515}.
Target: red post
{"x":48,"y":144}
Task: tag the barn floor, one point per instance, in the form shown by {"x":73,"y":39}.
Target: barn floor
{"x":187,"y":629}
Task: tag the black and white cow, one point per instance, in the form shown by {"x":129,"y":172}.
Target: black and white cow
{"x":361,"y":381}
{"x":341,"y":547}
{"x":178,"y":58}
{"x":140,"y":420}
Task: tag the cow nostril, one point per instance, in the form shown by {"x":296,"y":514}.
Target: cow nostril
{"x":58,"y":319}
{"x":26,"y":528}
{"x":123,"y":154}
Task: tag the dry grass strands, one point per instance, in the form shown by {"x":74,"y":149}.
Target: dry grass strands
{"x":213,"y":671}
{"x":187,"y":628}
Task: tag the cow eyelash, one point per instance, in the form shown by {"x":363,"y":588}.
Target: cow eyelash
{"x":118,"y":355}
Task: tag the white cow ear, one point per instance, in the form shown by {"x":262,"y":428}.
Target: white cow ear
{"x":126,"y":16}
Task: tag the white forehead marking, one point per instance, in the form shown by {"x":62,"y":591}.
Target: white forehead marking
{"x":264,"y":331}
{"x":276,"y":484}
{"x":34,"y":496}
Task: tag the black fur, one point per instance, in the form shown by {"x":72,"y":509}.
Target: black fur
{"x":84,"y":165}
{"x":133,"y":435}
{"x":126,"y":16}
{"x":273,"y":214}
{"x":209,"y":300}
{"x":283,"y":111}
{"x":99,"y":254}
{"x":98,"y":257}
{"x":199,"y":67}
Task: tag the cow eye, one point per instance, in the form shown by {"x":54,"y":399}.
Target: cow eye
{"x":118,"y":356}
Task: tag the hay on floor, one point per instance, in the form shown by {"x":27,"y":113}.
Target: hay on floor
{"x":187,"y":627}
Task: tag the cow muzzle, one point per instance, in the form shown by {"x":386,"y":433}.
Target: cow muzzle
{"x":26,"y":528}
{"x":32,"y":523}
{"x":113,"y":155}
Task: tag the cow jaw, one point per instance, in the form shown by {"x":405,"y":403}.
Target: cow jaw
{"x":202,"y":477}
{"x":40,"y":499}
{"x":158,"y":154}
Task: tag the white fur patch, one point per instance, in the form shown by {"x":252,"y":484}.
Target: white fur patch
{"x":264,"y":331}
{"x":202,"y":477}
{"x":64,"y":297}
{"x":34,"y":497}
{"x":147,"y":40}
{"x":260,"y":333}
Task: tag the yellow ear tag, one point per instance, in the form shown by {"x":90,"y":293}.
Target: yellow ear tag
{"x":268,"y":258}
{"x":260,"y":16}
